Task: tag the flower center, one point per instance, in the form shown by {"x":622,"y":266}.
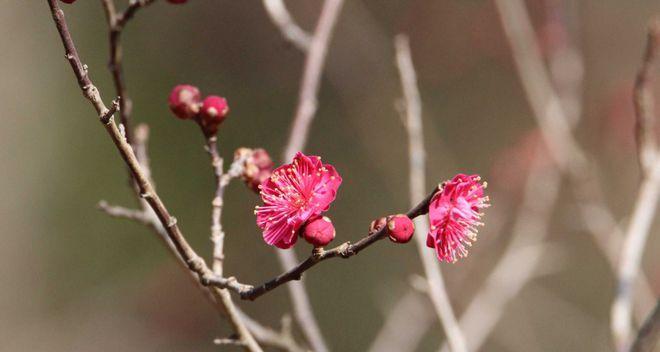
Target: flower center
{"x":298,"y":201}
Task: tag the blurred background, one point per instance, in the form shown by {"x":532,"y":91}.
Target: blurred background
{"x":73,"y":279}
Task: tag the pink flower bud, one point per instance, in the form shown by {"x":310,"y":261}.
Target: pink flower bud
{"x":214,"y":111}
{"x":400,"y":228}
{"x":319,"y":231}
{"x":257,"y":167}
{"x":184,"y":101}
{"x":376,"y":225}
{"x":68,"y":1}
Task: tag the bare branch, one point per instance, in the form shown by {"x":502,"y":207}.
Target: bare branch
{"x":643,"y":100}
{"x":307,"y":103}
{"x":309,"y":86}
{"x":184,"y":250}
{"x":116,"y":23}
{"x":417,"y":155}
{"x":631,"y":255}
{"x":282,"y":340}
{"x":571,"y":159}
{"x":125,"y":213}
{"x":405,"y":324}
{"x":281,"y":17}
{"x":217,"y":234}
{"x":647,"y":338}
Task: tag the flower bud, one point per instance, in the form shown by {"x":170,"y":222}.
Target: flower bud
{"x":184,"y":101}
{"x":257,"y":166}
{"x":68,"y":1}
{"x":400,"y":228}
{"x":214,"y":111}
{"x":376,"y":225}
{"x":319,"y":231}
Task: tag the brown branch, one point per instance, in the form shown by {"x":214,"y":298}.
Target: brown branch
{"x":194,"y":262}
{"x":643,"y":100}
{"x":649,"y":333}
{"x":282,"y":340}
{"x":344,"y":250}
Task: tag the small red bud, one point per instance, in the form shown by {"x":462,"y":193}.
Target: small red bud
{"x":400,"y":228}
{"x":177,"y":1}
{"x":68,"y":1}
{"x":184,"y":101}
{"x":319,"y":231}
{"x":214,"y":109}
{"x":376,"y":225}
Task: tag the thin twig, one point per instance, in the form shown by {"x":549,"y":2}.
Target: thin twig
{"x":311,"y":79}
{"x":282,"y":340}
{"x":281,"y":17}
{"x":195,"y":263}
{"x":307,"y":103}
{"x":649,"y":333}
{"x":417,"y":155}
{"x":217,"y":234}
{"x":114,"y":211}
{"x":643,"y":100}
{"x":117,"y":21}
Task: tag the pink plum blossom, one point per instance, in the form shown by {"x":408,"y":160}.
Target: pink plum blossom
{"x":454,"y":214}
{"x":292,"y":195}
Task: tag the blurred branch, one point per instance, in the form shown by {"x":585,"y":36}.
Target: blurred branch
{"x":417,"y":155}
{"x":405,"y":324}
{"x":311,"y":79}
{"x":556,"y":132}
{"x":281,"y":17}
{"x":649,"y":333}
{"x":565,"y":61}
{"x":643,"y":100}
{"x":282,"y":340}
{"x":309,"y":87}
{"x":184,"y":250}
{"x":631,"y":255}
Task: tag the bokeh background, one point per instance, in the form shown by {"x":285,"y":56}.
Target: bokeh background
{"x":72,"y":279}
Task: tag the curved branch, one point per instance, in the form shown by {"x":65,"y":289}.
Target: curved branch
{"x":417,"y":156}
{"x":283,"y":20}
{"x":194,"y":262}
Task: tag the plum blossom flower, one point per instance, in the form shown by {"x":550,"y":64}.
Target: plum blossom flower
{"x":454,"y":214}
{"x":293,"y":194}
